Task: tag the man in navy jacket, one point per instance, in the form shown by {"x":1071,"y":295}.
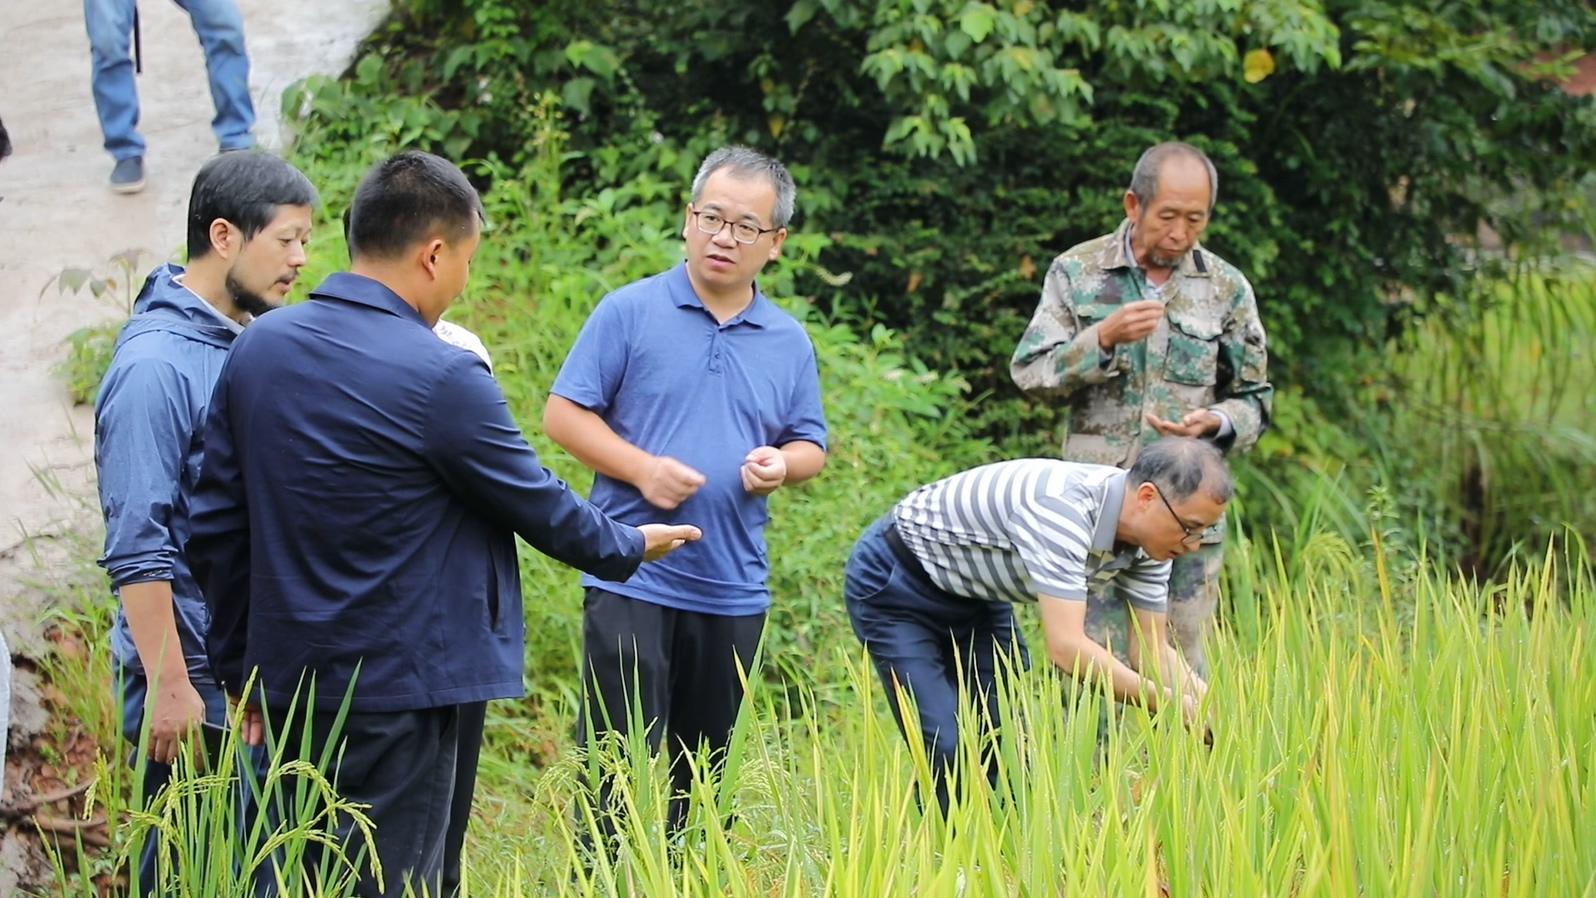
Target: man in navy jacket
{"x":363,"y":484}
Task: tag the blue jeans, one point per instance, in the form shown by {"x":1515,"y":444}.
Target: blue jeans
{"x":220,"y":27}
{"x":923,"y":640}
{"x":134,"y":689}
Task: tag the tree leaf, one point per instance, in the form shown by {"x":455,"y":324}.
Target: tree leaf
{"x":977,"y":21}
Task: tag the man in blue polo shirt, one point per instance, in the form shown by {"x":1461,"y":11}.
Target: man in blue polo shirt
{"x":690,"y":393}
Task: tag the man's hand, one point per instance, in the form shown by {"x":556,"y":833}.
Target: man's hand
{"x":1130,"y":323}
{"x":176,"y":711}
{"x":1200,"y":423}
{"x":254,"y":723}
{"x":660,"y":540}
{"x":1192,"y":717}
{"x":764,"y":470}
{"x":669,"y":483}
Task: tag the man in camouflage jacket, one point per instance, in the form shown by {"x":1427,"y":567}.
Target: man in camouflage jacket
{"x":1143,"y":333}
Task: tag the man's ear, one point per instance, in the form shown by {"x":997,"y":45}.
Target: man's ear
{"x":225,"y":239}
{"x":779,"y":238}
{"x":1133,"y":206}
{"x":429,"y":253}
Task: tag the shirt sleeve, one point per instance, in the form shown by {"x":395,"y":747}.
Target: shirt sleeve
{"x":1052,"y":537}
{"x":1056,"y":357}
{"x":596,"y":365}
{"x":482,"y":456}
{"x":806,"y":418}
{"x":219,"y":540}
{"x":1145,"y":584}
{"x":142,"y":432}
{"x":1246,"y":396}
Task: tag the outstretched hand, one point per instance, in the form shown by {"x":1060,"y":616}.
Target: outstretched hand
{"x":660,"y":540}
{"x":1200,"y":423}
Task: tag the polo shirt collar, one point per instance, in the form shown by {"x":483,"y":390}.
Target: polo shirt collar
{"x":365,"y":291}
{"x":760,"y":313}
{"x":1108,"y":517}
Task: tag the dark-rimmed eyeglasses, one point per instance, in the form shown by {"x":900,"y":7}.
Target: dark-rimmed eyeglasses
{"x":1194,"y":532}
{"x":742,"y":232}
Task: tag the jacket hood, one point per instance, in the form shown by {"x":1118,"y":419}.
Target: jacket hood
{"x":165,"y":305}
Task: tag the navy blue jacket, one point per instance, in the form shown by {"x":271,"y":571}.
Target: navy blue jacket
{"x":148,"y":418}
{"x":362,"y":485}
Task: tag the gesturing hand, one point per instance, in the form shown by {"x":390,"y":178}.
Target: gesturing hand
{"x":660,"y":540}
{"x":669,"y":483}
{"x":1132,"y":322}
{"x":764,"y":470}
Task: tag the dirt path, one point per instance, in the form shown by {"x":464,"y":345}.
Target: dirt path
{"x":55,"y":213}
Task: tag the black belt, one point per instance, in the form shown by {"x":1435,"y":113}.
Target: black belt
{"x":901,"y":550}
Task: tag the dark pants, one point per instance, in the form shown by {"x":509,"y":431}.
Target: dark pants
{"x":473,"y":718}
{"x":134,"y":691}
{"x":922,"y":639}
{"x":401,"y":764}
{"x":684,"y":666}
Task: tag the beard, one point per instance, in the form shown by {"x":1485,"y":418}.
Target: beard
{"x":247,"y":300}
{"x":1158,"y":259}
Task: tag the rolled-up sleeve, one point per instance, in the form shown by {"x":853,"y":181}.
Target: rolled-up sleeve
{"x":473,"y":443}
{"x":142,"y":429}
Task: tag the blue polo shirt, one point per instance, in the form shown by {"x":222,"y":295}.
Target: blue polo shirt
{"x":656,"y":366}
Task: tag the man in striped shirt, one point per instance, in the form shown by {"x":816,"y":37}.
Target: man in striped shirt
{"x":931,"y":586}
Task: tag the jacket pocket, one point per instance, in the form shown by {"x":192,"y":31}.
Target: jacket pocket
{"x":1192,"y":356}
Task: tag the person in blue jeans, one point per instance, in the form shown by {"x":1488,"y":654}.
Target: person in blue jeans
{"x":249,"y":218}
{"x":220,"y":28}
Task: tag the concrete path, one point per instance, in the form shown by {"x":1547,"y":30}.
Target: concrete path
{"x":56,"y":212}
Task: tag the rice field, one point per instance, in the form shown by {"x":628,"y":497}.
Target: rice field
{"x":1370,"y":738}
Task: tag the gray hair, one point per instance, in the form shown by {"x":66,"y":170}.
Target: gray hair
{"x":750,"y":163}
{"x":1180,"y":466}
{"x":1144,"y":179}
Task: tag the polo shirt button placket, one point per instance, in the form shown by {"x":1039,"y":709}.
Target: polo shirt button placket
{"x":714,"y":351}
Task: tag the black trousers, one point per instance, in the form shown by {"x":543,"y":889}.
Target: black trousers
{"x":684,"y":667}
{"x":401,"y":763}
{"x":473,"y":718}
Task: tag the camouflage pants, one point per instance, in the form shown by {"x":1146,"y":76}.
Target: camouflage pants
{"x":1193,"y":596}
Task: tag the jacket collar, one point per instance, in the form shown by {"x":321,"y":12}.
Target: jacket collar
{"x":365,"y":291}
{"x":1117,"y":254}
{"x":163,"y":304}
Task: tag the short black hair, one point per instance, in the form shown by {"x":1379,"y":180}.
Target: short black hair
{"x":244,"y":187}
{"x":1180,"y":466}
{"x":407,"y":198}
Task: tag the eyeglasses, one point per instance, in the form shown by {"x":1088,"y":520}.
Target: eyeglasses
{"x":1194,"y":532}
{"x":742,"y":231}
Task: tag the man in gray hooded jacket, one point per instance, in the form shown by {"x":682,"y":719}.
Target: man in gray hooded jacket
{"x":249,"y":218}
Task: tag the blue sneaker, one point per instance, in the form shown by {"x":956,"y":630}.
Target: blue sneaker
{"x":128,"y":176}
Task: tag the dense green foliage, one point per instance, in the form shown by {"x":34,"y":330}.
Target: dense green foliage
{"x":946,"y":150}
{"x":953,"y":147}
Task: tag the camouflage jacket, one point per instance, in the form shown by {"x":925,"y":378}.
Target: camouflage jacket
{"x":1208,"y":352}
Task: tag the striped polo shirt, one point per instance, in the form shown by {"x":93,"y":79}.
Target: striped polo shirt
{"x":1014,"y":530}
